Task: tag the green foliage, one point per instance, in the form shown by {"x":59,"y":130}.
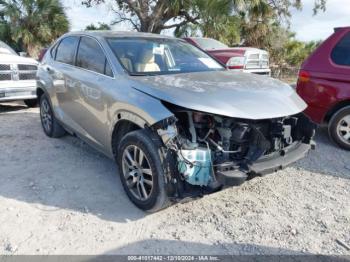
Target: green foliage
{"x":151,"y":15}
{"x":297,"y":51}
{"x":32,"y":23}
{"x":100,"y":26}
{"x":256,"y":23}
{"x":216,"y":22}
{"x":5,"y":33}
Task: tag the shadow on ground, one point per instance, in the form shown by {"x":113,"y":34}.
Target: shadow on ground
{"x":327,"y":159}
{"x":58,"y":174}
{"x":228,"y":252}
{"x":173,"y":247}
{"x":6,"y":107}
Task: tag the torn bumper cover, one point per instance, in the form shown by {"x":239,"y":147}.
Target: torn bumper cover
{"x":265,"y":165}
{"x":212,"y":151}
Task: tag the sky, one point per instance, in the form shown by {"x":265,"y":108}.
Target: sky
{"x":306,"y":26}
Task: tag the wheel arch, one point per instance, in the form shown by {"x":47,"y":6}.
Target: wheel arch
{"x":335,"y":108}
{"x":126,"y":121}
{"x":121,"y":128}
{"x":39,"y":92}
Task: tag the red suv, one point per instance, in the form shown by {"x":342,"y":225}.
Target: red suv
{"x":324,"y":83}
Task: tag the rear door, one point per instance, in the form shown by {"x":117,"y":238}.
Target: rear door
{"x":62,"y":72}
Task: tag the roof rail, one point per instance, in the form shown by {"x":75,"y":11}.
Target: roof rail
{"x":336,"y":29}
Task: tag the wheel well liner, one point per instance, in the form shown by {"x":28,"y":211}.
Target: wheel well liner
{"x":122,"y":128}
{"x":336,"y":108}
{"x":39,"y":92}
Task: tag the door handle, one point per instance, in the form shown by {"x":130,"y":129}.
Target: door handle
{"x":49,"y":70}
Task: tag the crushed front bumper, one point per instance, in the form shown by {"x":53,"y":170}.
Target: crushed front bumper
{"x":265,"y":165}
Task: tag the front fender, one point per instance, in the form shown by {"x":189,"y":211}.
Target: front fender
{"x":140,"y":109}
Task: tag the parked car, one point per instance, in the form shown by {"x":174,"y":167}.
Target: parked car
{"x":324,"y":83}
{"x":17,"y":77}
{"x":245,"y":59}
{"x":175,"y":120}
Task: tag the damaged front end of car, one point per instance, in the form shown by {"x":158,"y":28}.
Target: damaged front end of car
{"x":209,"y":152}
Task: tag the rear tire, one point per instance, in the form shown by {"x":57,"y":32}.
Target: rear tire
{"x":339,"y":128}
{"x":31,"y":102}
{"x":143,"y":180}
{"x":49,"y":123}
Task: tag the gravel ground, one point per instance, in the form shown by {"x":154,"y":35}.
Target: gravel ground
{"x":59,"y":196}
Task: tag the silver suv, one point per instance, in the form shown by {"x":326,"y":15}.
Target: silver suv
{"x":177,"y":123}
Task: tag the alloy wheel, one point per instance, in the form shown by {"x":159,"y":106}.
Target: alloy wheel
{"x":343,"y":129}
{"x":46,"y":116}
{"x":137,"y":172}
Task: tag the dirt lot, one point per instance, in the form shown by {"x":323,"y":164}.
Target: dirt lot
{"x":62,"y":197}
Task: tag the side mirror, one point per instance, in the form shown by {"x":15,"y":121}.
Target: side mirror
{"x":23,"y":54}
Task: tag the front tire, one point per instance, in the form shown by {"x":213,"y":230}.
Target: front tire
{"x":141,"y":171}
{"x":31,"y":102}
{"x":49,"y":123}
{"x":339,"y":128}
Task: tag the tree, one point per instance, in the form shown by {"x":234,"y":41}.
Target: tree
{"x":100,"y":26}
{"x":215,"y":22}
{"x":260,"y":18}
{"x":34,"y":23}
{"x":151,"y":15}
{"x":297,"y":51}
{"x":157,"y":15}
{"x":5,"y":32}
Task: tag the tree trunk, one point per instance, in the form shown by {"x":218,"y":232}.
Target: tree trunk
{"x":151,"y":26}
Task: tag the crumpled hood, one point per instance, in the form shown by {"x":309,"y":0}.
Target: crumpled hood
{"x":226,"y":93}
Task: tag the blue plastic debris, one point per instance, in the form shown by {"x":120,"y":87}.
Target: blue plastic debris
{"x":196,"y":166}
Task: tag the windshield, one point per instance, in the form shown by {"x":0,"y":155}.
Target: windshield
{"x":5,"y":49}
{"x":148,"y":56}
{"x":209,"y":43}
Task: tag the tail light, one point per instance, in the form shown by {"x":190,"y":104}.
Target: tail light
{"x":236,"y":62}
{"x":304,"y":76}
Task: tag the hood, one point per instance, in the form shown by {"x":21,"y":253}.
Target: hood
{"x":15,"y":59}
{"x":229,"y":49}
{"x":237,"y":50}
{"x":226,"y":93}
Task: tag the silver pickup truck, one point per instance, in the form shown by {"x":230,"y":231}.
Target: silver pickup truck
{"x":17,"y":77}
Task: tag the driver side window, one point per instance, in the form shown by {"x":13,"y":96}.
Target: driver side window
{"x":66,"y":50}
{"x":91,"y":57}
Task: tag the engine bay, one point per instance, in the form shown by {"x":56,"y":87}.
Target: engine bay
{"x":215,"y":151}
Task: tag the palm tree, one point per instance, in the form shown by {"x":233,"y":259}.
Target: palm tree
{"x":100,"y":26}
{"x":34,"y":23}
{"x":215,"y":21}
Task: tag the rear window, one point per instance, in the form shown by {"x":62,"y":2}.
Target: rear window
{"x":66,"y":50}
{"x":341,"y":52}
